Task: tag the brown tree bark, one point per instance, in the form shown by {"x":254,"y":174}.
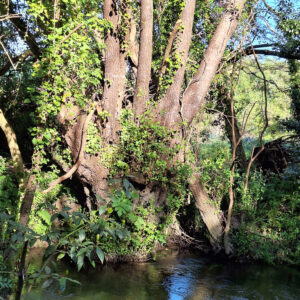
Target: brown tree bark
{"x":208,"y":211}
{"x":194,"y":95}
{"x":225,"y":102}
{"x":80,"y":154}
{"x":115,"y":70}
{"x":193,"y":99}
{"x":13,"y":148}
{"x":141,"y":94}
{"x":27,"y":201}
{"x":168,"y":108}
{"x":90,"y":171}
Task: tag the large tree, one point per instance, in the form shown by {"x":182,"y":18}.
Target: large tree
{"x":96,"y":62}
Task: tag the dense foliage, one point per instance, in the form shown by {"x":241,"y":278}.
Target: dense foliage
{"x":100,"y":182}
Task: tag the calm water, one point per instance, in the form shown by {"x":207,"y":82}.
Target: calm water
{"x":182,"y":277}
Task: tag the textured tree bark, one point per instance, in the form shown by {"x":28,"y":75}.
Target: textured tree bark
{"x":193,"y":99}
{"x":208,"y":211}
{"x":90,"y":172}
{"x":115,"y":70}
{"x":13,"y":147}
{"x":141,"y":94}
{"x":80,"y":154}
{"x":168,"y":108}
{"x":27,"y":201}
{"x":194,"y":95}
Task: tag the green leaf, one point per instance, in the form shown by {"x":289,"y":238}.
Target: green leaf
{"x":46,"y":284}
{"x":54,"y":216}
{"x":47,"y":270}
{"x":80,"y":262}
{"x":81,"y":235}
{"x":100,"y":254}
{"x":101,"y":210}
{"x":45,"y":216}
{"x":60,"y":256}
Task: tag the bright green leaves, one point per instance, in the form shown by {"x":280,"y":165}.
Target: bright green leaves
{"x":100,"y":254}
{"x":143,"y":149}
{"x":71,"y":62}
{"x":93,"y":140}
{"x":70,"y":71}
{"x":121,"y":203}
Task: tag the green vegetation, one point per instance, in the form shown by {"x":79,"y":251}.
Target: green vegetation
{"x":111,"y":149}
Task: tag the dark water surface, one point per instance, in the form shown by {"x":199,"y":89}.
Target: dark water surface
{"x":182,"y":277}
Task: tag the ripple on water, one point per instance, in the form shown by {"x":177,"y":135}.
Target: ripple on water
{"x":182,"y":278}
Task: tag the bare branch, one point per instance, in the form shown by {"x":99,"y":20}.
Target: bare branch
{"x":7,"y":54}
{"x":15,"y":60}
{"x":254,"y":157}
{"x":21,"y":27}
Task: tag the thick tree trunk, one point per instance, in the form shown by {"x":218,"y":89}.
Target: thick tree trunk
{"x":141,"y":94}
{"x":194,"y":95}
{"x":90,"y":172}
{"x":168,"y":108}
{"x":209,"y":213}
{"x":115,"y":70}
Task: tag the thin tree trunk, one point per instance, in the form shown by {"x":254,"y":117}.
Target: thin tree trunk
{"x":27,"y":201}
{"x":13,"y":147}
{"x":240,"y":159}
{"x":22,"y":272}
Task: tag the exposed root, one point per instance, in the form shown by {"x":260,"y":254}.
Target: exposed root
{"x":178,"y":238}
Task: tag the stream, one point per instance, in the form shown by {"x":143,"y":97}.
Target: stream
{"x":177,"y":277}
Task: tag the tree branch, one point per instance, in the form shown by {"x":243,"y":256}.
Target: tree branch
{"x":80,"y":156}
{"x":15,"y":60}
{"x":22,"y":29}
{"x":282,"y":54}
{"x":196,"y":91}
{"x":169,"y":107}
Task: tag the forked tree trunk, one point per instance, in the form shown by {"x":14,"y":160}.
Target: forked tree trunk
{"x":170,"y":112}
{"x":168,"y":108}
{"x":194,"y":97}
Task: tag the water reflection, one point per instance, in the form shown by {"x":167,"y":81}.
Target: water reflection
{"x":189,"y":278}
